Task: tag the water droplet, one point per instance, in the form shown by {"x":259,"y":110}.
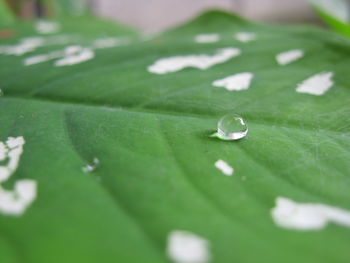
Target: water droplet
{"x":91,"y":167}
{"x":231,"y":127}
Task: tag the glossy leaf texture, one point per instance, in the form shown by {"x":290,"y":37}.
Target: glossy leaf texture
{"x":151,"y":135}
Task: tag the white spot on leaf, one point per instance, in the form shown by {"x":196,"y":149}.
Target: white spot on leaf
{"x":186,"y":247}
{"x":14,"y":142}
{"x":224,"y":167}
{"x":69,"y":56}
{"x":287,"y":57}
{"x":25,"y":45}
{"x":75,"y":55}
{"x":207,"y":38}
{"x":308,"y":216}
{"x":30,"y":44}
{"x":17,"y":201}
{"x":42,"y":58}
{"x":173,"y":64}
{"x":14,"y":202}
{"x":245,"y":36}
{"x":47,"y":27}
{"x":110,"y":42}
{"x":11,"y":151}
{"x":317,"y":84}
{"x":239,"y":81}
{"x":3,"y":151}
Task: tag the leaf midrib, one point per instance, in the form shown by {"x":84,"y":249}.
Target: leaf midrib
{"x":265,"y":121}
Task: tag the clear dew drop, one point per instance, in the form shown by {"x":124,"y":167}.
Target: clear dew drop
{"x":231,"y":127}
{"x":91,"y":167}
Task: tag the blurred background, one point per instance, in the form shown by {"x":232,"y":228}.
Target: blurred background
{"x":158,"y":15}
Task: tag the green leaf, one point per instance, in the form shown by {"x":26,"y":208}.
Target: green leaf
{"x":336,"y":13}
{"x":151,"y":135}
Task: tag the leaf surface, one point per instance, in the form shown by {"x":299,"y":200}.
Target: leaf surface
{"x":151,"y":134}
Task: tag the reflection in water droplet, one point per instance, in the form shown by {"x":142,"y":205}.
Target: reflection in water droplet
{"x":231,"y":127}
